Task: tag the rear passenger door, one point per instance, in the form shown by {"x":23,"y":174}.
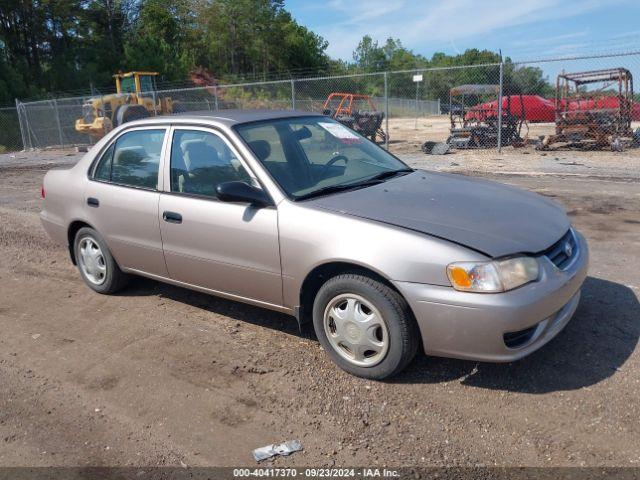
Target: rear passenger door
{"x":121,"y":200}
{"x":230,"y":248}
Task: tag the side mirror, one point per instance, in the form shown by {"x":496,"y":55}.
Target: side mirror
{"x":242,"y":192}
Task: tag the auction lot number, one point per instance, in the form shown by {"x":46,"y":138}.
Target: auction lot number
{"x":315,"y":473}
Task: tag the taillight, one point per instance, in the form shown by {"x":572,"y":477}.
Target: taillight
{"x":42,"y":191}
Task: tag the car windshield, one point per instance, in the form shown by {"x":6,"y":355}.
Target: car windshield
{"x":312,"y":156}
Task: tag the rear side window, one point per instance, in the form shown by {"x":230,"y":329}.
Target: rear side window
{"x":133,"y":160}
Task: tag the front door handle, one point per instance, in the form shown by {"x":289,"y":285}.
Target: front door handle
{"x":93,"y":202}
{"x":172,"y":217}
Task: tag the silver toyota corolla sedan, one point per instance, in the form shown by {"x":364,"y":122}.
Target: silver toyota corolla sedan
{"x":295,"y":212}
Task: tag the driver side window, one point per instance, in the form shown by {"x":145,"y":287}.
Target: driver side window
{"x":200,"y":161}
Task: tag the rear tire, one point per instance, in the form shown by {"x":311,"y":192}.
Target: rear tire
{"x":97,"y":266}
{"x":366,"y":327}
{"x":129,"y":113}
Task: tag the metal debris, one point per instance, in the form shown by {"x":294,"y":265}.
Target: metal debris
{"x":435,"y":148}
{"x":595,"y":117}
{"x":286,"y":448}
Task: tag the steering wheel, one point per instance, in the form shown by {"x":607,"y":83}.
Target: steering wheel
{"x":331,"y":162}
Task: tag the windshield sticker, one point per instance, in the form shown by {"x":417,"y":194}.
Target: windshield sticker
{"x":341,"y":132}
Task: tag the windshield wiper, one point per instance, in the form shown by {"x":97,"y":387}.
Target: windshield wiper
{"x":389,"y":174}
{"x":375,"y":180}
{"x":336,"y":188}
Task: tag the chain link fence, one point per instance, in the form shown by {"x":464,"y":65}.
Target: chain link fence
{"x":484,"y":107}
{"x":10,"y":137}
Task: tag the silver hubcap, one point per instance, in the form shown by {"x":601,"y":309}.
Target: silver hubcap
{"x":92,"y":261}
{"x":356,"y":330}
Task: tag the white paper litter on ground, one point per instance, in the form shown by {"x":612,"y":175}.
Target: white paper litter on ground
{"x":286,"y":448}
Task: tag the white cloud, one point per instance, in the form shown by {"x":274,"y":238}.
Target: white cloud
{"x":435,"y":24}
{"x":369,"y":10}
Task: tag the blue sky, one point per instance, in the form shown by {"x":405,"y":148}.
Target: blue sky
{"x":523,"y":29}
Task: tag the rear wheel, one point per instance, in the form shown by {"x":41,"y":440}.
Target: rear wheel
{"x":97,"y":266}
{"x":129,"y":113}
{"x":365,"y":326}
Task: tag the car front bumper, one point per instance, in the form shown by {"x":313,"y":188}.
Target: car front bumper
{"x":473,"y":325}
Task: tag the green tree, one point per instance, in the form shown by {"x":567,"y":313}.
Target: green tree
{"x":255,"y":37}
{"x":370,"y":57}
{"x":105,"y":26}
{"x":160,"y":40}
{"x":526,"y":80}
{"x":54,"y":45}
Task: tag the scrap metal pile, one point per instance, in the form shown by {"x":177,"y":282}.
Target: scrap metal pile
{"x":594,"y":110}
{"x":478,"y":126}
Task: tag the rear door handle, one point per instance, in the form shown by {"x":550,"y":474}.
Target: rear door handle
{"x":93,"y":202}
{"x":172,"y":217}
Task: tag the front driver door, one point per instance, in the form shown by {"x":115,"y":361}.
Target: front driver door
{"x":230,"y":248}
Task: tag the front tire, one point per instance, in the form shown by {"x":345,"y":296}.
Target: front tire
{"x":97,"y":266}
{"x":365,"y":326}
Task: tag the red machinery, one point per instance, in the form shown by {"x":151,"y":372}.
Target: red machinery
{"x":532,"y":108}
{"x":542,"y":110}
{"x":480,"y":126}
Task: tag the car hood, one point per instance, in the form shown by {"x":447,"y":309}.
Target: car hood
{"x":489,"y":217}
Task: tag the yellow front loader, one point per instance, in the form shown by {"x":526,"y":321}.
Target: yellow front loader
{"x":135,"y":98}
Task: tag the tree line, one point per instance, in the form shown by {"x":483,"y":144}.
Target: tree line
{"x":370,"y":56}
{"x":73,"y":46}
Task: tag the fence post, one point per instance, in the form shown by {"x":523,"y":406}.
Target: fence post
{"x":293,"y":94}
{"x":55,"y":109}
{"x":386,"y":110}
{"x":500,"y":111}
{"x":417,"y":87}
{"x":215,"y":96}
{"x":22,"y":127}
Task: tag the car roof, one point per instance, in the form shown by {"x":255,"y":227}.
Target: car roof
{"x":227,"y":117}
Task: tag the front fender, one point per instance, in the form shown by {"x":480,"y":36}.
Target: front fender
{"x":310,"y":237}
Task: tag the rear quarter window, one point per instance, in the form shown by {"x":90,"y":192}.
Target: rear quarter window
{"x":103,"y":170}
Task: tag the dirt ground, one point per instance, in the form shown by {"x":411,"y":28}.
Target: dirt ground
{"x":406,"y":140}
{"x":160,"y":375}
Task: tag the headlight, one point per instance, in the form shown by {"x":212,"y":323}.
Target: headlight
{"x":495,"y":276}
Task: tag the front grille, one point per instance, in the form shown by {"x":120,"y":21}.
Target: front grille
{"x":519,"y":338}
{"x":563,"y":251}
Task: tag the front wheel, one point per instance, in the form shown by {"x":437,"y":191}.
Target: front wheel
{"x":366,"y":327}
{"x":97,"y":266}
